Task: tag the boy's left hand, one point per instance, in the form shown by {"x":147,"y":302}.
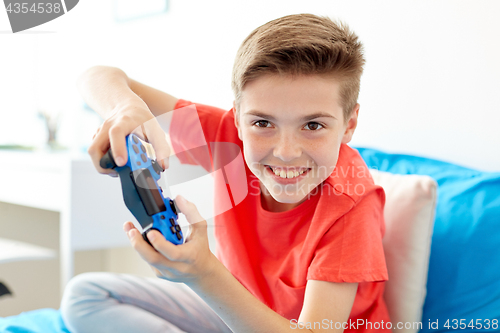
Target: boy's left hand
{"x":189,"y":262}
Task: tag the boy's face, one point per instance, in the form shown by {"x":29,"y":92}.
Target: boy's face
{"x":292,"y":129}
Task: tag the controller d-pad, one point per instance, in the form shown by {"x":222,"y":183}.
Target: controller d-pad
{"x":179,"y":236}
{"x":144,"y":158}
{"x":135,"y":149}
{"x":178,"y":228}
{"x":172,"y":221}
{"x":173,"y":230}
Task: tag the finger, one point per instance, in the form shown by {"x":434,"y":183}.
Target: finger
{"x":146,"y":252}
{"x":163,"y":246}
{"x":97,"y":149}
{"x":139,"y":132}
{"x":127,"y":226}
{"x":196,"y":221}
{"x":157,"y":137}
{"x":98,"y":129}
{"x":118,"y":145}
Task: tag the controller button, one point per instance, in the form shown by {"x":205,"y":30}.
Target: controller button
{"x":179,"y":236}
{"x":172,"y":221}
{"x":162,"y":217}
{"x":135,"y":149}
{"x":173,"y":230}
{"x":135,"y":139}
{"x":178,"y":228}
{"x":138,"y":163}
{"x":144,"y":158}
{"x":143,"y":148}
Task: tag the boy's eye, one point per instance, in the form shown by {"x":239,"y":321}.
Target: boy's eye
{"x":262,"y":123}
{"x":313,"y":126}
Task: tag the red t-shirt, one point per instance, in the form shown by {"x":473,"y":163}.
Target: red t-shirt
{"x":335,"y":235}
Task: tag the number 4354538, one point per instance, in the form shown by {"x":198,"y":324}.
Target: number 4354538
{"x":473,"y":324}
{"x":36,"y":8}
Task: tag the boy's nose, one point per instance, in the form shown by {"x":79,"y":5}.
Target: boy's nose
{"x":287,"y":148}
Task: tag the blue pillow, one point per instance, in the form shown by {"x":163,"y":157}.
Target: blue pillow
{"x":463,"y":286}
{"x":38,"y":321}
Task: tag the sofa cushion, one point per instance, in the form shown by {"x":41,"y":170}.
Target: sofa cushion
{"x":409,"y":218}
{"x":464,"y":268}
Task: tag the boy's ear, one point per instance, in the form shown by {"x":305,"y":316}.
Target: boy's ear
{"x":237,"y":121}
{"x":351,"y":125}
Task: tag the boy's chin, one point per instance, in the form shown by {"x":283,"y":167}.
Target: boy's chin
{"x":288,"y":194}
{"x":284,"y":198}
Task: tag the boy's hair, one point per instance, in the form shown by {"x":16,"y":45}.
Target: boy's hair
{"x":302,"y":44}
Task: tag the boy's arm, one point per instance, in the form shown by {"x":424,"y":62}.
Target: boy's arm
{"x":126,"y":105}
{"x":325,"y":304}
{"x":105,"y":89}
{"x":328,"y":300}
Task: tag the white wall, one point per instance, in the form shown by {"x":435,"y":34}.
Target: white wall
{"x":430,"y":86}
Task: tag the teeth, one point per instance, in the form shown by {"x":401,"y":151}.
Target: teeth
{"x":287,"y":174}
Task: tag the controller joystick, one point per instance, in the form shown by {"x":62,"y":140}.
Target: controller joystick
{"x":157,"y":167}
{"x":107,"y":161}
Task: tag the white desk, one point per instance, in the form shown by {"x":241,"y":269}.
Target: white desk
{"x":91,"y":205}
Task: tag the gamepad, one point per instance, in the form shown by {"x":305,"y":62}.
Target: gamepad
{"x":141,"y":192}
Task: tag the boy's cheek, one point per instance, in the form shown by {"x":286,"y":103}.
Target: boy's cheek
{"x":254,"y":151}
{"x":252,"y":164}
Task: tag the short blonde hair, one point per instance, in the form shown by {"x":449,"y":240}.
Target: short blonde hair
{"x":302,"y":44}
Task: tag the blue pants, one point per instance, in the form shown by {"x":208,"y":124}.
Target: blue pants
{"x":105,"y":302}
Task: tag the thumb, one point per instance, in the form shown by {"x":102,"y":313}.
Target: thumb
{"x":189,"y":210}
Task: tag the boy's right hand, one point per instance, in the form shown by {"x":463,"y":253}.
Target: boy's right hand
{"x":125,"y":119}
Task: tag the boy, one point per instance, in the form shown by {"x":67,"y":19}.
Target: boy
{"x":305,"y":251}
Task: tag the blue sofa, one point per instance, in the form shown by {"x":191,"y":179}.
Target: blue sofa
{"x":463,"y":284}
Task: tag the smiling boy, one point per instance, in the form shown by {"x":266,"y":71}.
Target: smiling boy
{"x":291,"y":129}
{"x":306,"y":247}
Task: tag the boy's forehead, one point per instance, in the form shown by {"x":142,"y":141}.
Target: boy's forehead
{"x":302,"y":95}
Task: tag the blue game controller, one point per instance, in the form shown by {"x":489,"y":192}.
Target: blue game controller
{"x":141,"y":192}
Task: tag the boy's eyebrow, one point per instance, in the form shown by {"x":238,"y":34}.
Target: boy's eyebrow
{"x":259,"y":114}
{"x":317,"y":115}
{"x":305,"y":118}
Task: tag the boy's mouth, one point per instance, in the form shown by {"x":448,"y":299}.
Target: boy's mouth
{"x":287,"y":173}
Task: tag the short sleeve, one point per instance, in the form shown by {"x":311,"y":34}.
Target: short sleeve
{"x":351,"y":250}
{"x":192,"y":128}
